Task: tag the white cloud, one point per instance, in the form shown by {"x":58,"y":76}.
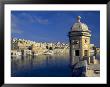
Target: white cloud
{"x":41,"y":21}
{"x":34,"y":19}
{"x":15,"y":25}
{"x":17,"y":31}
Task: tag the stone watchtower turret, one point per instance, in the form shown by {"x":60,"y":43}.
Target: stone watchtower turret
{"x":79,"y":38}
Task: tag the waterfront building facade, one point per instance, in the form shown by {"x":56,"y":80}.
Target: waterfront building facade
{"x":38,"y":48}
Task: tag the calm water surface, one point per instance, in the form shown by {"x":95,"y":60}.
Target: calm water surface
{"x":41,"y":66}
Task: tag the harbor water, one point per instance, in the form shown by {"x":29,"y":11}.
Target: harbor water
{"x":41,"y":66}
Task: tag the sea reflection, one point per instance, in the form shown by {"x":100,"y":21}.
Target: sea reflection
{"x":41,"y":66}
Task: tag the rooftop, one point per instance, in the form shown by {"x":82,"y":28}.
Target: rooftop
{"x":79,"y":26}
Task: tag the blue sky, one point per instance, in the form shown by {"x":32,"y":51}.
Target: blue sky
{"x":52,"y":26}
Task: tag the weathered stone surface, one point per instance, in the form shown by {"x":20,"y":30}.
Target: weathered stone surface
{"x":79,"y":69}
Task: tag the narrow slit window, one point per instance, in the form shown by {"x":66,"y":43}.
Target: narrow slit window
{"x":77,"y":52}
{"x":86,"y":53}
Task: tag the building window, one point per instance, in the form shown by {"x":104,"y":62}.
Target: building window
{"x":11,"y":53}
{"x":47,"y":47}
{"x":85,"y":52}
{"x":76,"y":52}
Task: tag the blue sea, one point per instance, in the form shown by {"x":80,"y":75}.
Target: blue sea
{"x":42,"y":66}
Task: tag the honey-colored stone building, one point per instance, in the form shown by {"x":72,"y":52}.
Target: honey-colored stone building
{"x":79,"y":38}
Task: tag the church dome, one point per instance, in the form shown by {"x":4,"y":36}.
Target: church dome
{"x":79,"y":26}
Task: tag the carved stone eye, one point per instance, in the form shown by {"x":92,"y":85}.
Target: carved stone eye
{"x":75,"y":42}
{"x":85,"y":40}
{"x":79,"y":26}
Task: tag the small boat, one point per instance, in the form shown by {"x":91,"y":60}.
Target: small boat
{"x":35,"y":54}
{"x":15,"y":54}
{"x":48,"y":53}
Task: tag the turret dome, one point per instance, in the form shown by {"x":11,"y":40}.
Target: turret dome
{"x":79,"y":26}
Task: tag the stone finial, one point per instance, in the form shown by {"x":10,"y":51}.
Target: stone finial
{"x":78,"y":19}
